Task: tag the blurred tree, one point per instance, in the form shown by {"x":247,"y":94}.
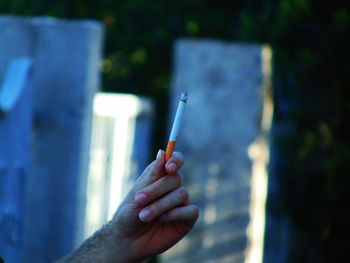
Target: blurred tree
{"x":139,"y":38}
{"x":311,"y":43}
{"x":311,"y":49}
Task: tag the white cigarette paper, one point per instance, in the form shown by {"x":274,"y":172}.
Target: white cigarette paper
{"x":176,"y":126}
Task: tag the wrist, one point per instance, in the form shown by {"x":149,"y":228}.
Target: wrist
{"x":119,"y":246}
{"x":103,"y":246}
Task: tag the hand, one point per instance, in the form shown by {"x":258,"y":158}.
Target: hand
{"x":153,"y":217}
{"x":156,"y":212}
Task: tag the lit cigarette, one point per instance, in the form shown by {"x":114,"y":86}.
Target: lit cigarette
{"x":176,"y":126}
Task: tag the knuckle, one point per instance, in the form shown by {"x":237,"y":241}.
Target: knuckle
{"x":178,"y":180}
{"x":183,"y":193}
{"x":172,"y":179}
{"x":164,"y":179}
{"x":158,"y":207}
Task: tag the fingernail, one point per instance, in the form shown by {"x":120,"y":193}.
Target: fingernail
{"x":145,"y":215}
{"x":172,"y":167}
{"x":140,"y":198}
{"x":159,"y":155}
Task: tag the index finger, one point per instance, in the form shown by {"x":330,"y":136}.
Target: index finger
{"x":152,"y":173}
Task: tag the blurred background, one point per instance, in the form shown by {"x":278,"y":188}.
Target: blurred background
{"x":309,"y":41}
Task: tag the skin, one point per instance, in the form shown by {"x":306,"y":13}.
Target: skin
{"x":153,"y":217}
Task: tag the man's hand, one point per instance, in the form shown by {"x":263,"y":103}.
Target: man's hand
{"x":153,"y":217}
{"x":156,"y":213}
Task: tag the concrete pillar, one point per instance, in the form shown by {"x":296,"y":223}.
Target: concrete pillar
{"x":224,"y":139}
{"x":66,"y":60}
{"x":15,"y":134}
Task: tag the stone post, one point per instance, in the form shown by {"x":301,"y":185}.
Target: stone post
{"x":224,"y":139}
{"x":15,"y":134}
{"x":66,"y":61}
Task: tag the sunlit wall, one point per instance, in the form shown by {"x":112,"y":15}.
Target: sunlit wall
{"x":114,"y":164}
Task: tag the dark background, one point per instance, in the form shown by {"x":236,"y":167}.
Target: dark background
{"x":311,"y":57}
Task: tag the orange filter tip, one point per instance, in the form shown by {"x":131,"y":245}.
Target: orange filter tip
{"x":169,"y":150}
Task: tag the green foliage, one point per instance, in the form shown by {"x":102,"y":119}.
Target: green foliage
{"x":311,"y":63}
{"x":310,"y":40}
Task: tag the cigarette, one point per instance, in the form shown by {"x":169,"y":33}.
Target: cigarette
{"x":176,"y":126}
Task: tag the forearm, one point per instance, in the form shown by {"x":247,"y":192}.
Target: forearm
{"x":103,"y":246}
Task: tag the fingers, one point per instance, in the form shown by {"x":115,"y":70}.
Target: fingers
{"x":156,"y":169}
{"x":152,"y":173}
{"x":174,"y":163}
{"x":159,"y":192}
{"x":187,"y":213}
{"x":159,"y":188}
{"x":177,"y":197}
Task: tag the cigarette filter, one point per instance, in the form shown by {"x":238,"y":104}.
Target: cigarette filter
{"x":176,"y":126}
